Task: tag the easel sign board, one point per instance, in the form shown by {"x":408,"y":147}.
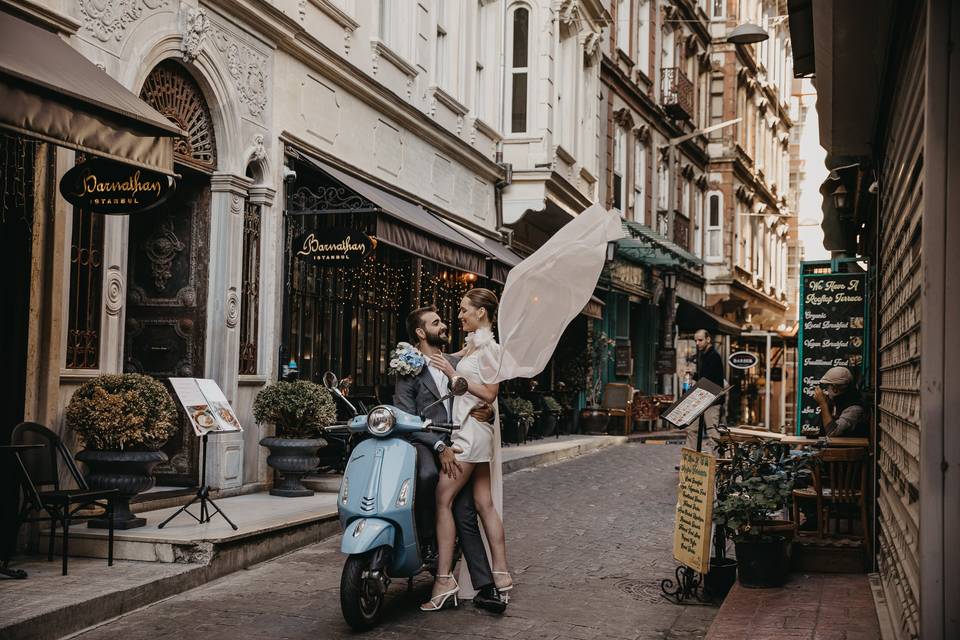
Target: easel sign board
{"x":688,"y":408}
{"x":693,"y":520}
{"x":206,"y":406}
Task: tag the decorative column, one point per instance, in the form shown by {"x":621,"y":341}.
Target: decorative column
{"x":228,"y":193}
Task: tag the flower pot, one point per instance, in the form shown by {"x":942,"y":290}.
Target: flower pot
{"x":129,"y":472}
{"x":777,"y":527}
{"x":762,"y":563}
{"x":594,"y":421}
{"x":719,"y":580}
{"x":292,"y":458}
{"x":548,"y":423}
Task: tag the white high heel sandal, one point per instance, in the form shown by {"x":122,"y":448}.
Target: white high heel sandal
{"x":433,"y":605}
{"x":504,"y":589}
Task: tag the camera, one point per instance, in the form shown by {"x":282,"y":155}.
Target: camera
{"x":289,"y":175}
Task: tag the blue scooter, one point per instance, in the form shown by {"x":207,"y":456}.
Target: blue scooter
{"x":376,"y":507}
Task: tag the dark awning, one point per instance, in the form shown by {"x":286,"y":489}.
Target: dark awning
{"x":691,"y":317}
{"x":645,"y":246}
{"x":51,"y":92}
{"x":502,"y":257}
{"x":410,"y":227}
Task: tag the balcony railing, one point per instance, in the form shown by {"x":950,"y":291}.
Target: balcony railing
{"x":676,"y":92}
{"x":681,"y":231}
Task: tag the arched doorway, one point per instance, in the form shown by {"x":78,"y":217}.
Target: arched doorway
{"x":168,"y":256}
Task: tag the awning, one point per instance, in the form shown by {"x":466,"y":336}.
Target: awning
{"x":594,"y":308}
{"x":51,"y":92}
{"x":410,"y":227}
{"x":691,"y":317}
{"x":502,"y":257}
{"x":646,"y":246}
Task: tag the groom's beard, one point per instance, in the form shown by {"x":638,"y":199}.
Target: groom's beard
{"x":438,"y":341}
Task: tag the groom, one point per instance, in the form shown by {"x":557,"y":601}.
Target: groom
{"x":412,"y":394}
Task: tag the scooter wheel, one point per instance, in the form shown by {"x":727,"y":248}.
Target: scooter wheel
{"x":361,"y":601}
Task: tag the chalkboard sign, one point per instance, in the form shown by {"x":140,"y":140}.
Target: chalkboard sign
{"x":623,"y":360}
{"x":833,"y":333}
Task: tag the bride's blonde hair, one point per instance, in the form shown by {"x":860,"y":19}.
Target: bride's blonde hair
{"x":484,"y":299}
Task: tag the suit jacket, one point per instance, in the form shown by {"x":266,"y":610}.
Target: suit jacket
{"x":413,"y":393}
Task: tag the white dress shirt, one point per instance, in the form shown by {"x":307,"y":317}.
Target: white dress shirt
{"x":443,"y":384}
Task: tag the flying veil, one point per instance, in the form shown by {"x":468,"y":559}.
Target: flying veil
{"x":542,"y":295}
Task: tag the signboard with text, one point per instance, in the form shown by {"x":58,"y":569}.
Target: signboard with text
{"x":743,"y":360}
{"x":206,"y":406}
{"x":833,"y":333}
{"x":105,"y":186}
{"x":334,"y":247}
{"x":694,"y":514}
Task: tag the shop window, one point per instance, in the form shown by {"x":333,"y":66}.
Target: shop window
{"x":714,"y":229}
{"x":623,"y":26}
{"x":86,"y":284}
{"x":250,"y":289}
{"x":519,"y":69}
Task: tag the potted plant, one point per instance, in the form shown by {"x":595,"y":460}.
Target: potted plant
{"x":593,"y":419}
{"x":519,"y":417}
{"x":122,"y":420}
{"x":756,"y":485}
{"x":550,"y":415}
{"x":299,"y":410}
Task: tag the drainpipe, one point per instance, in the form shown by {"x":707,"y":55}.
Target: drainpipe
{"x":501,"y":125}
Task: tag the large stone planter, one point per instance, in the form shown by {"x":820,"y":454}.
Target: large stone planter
{"x":129,"y":472}
{"x":594,"y":421}
{"x":293,"y":458}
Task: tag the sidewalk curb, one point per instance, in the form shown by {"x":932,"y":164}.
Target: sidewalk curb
{"x":572,"y":451}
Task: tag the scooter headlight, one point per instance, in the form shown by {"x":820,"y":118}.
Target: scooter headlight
{"x":380,"y":421}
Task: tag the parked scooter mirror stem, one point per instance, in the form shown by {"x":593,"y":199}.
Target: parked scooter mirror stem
{"x":330,"y":382}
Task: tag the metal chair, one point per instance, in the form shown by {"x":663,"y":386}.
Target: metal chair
{"x":618,"y":402}
{"x":41,"y":469}
{"x":839,"y":483}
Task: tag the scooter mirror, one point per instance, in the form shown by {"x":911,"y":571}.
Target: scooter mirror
{"x":330,"y":380}
{"x":458,"y":386}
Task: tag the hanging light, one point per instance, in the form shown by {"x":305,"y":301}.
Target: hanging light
{"x":747,"y":33}
{"x":841,"y":200}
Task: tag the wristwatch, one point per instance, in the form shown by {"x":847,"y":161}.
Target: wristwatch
{"x":440,"y":447}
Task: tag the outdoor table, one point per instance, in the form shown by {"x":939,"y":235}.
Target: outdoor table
{"x":741,"y":432}
{"x":848,"y":442}
{"x":8,"y":536}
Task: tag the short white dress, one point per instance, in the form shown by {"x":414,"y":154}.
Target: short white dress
{"x":477,"y":439}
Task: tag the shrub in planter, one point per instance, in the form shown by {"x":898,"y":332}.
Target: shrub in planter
{"x":300,"y":410}
{"x":550,"y":416}
{"x":519,"y":417}
{"x":752,"y":489}
{"x":122,"y":420}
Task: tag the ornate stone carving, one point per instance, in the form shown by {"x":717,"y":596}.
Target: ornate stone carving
{"x":302,"y":9}
{"x":187,"y":296}
{"x":109,"y":19}
{"x":247,"y":67}
{"x":161,"y":249}
{"x":347,"y":33}
{"x":114,"y":290}
{"x":170,"y":90}
{"x":195,"y":29}
{"x":232,"y":315}
{"x":256,"y":152}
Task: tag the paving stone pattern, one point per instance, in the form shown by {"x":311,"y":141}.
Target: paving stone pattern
{"x":589,"y":539}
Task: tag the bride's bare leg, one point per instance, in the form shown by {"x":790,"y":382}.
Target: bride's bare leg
{"x":447,"y":490}
{"x":492,"y":523}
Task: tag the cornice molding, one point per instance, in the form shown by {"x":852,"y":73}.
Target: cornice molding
{"x":335,"y":13}
{"x":43,"y":16}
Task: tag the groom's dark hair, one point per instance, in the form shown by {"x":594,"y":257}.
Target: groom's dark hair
{"x":415,"y":321}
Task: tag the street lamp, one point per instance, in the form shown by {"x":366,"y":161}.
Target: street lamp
{"x":747,"y":33}
{"x":669,"y":279}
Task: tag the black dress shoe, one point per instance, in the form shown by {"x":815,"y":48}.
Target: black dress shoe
{"x":488,"y":599}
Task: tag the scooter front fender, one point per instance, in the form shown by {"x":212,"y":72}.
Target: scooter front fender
{"x":365,"y":534}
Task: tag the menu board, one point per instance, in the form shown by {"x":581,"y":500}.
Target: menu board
{"x":694,"y":515}
{"x":206,"y":406}
{"x":694,"y":403}
{"x":833,"y":333}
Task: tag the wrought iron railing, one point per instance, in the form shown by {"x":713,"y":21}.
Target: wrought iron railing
{"x":681,"y":231}
{"x":676,"y":93}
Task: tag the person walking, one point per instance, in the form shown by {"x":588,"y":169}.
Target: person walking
{"x":709,"y":366}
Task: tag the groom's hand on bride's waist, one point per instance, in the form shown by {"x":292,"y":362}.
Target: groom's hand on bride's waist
{"x":448,"y":461}
{"x":482,"y":412}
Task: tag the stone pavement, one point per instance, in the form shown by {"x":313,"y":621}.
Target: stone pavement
{"x":820,"y":606}
{"x":589,"y":539}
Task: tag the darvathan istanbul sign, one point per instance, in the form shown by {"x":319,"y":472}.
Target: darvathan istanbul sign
{"x":334,"y":247}
{"x":105,"y":186}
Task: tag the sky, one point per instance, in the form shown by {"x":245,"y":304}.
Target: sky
{"x":810,"y":233}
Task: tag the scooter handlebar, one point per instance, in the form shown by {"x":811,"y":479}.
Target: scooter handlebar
{"x":443,"y":427}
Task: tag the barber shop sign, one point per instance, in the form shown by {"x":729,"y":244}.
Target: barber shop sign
{"x":334,"y":247}
{"x":105,"y":186}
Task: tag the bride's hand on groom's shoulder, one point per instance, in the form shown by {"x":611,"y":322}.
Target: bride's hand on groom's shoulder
{"x":443,"y":365}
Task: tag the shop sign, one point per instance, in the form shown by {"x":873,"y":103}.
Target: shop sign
{"x":666,"y":361}
{"x":105,"y":186}
{"x":624,"y":363}
{"x":334,"y":247}
{"x":743,"y":360}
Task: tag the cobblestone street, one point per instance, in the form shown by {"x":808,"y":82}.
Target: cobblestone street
{"x":589,"y":540}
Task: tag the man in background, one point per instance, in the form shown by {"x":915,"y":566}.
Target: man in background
{"x":710,"y":366}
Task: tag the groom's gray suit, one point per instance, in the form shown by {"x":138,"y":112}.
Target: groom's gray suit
{"x":413,"y":394}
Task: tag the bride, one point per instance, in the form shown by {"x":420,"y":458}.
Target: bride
{"x":477,"y":448}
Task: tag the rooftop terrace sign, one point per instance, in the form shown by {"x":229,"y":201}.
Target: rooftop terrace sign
{"x":105,"y":186}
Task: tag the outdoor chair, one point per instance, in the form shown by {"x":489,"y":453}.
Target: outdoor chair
{"x":839,"y":482}
{"x":618,"y":402}
{"x":43,"y":491}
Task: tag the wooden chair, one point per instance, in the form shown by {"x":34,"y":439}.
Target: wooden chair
{"x":618,"y":402}
{"x":839,"y":486}
{"x":61,"y":506}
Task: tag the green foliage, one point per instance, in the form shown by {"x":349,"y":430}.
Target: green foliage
{"x":600,"y":351}
{"x":756,"y":484}
{"x":117,"y":412}
{"x":550,"y":404}
{"x":521,"y":409}
{"x":299,"y":409}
